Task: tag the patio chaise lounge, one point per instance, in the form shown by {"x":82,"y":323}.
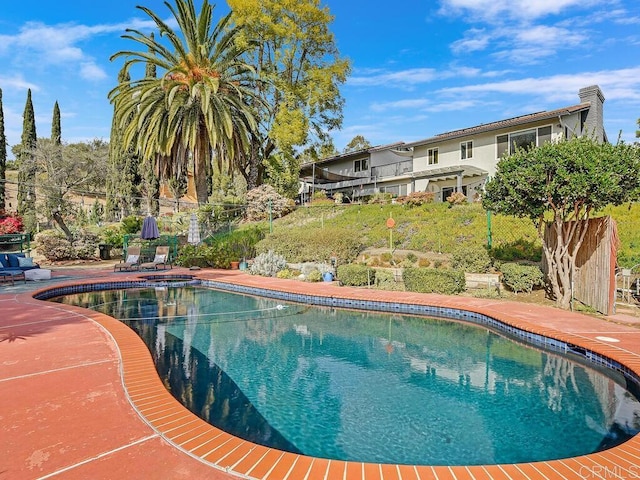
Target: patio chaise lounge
{"x":161,"y":259}
{"x":131,"y":263}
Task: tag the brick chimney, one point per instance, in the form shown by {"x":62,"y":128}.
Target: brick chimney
{"x":593,"y":124}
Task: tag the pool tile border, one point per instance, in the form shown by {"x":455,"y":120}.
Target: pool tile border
{"x":241,"y":458}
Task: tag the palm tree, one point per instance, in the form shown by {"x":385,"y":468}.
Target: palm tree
{"x":200,"y":107}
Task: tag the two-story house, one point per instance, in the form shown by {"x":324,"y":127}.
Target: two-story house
{"x":460,"y":160}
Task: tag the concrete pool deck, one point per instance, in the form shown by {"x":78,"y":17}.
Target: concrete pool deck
{"x":80,"y":398}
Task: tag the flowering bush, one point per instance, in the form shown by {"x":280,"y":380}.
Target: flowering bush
{"x":10,"y":224}
{"x":457,"y":198}
{"x":265,"y":199}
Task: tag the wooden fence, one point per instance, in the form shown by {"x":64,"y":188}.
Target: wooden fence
{"x":594,"y":280}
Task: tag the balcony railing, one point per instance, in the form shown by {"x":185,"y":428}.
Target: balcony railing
{"x":393,"y":170}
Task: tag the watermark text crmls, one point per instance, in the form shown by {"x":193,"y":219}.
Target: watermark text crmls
{"x":606,"y":472}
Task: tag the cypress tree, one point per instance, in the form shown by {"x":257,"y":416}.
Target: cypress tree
{"x":123,"y":194}
{"x":3,"y":158}
{"x":27,"y":168}
{"x":56,"y":129}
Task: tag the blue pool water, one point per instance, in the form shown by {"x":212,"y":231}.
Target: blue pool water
{"x":369,"y":387}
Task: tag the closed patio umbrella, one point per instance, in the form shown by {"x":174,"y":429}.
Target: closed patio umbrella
{"x":194,"y":230}
{"x":149,"y":228}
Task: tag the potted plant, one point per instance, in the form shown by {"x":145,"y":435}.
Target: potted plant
{"x":326,"y":271}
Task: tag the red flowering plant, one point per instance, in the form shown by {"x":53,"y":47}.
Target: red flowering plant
{"x":10,"y":223}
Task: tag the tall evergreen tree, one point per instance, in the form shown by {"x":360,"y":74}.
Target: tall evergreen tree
{"x":123,"y":192}
{"x":3,"y":158}
{"x":27,"y":168}
{"x":56,"y":128}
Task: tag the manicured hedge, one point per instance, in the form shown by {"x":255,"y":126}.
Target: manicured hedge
{"x":356,"y":275}
{"x":521,"y":278}
{"x":431,"y":280}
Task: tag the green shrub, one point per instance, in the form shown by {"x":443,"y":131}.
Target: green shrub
{"x":386,"y":280}
{"x":520,"y":249}
{"x":427,"y":280}
{"x":131,"y":224}
{"x":268,"y":264}
{"x":237,"y":244}
{"x":356,"y":275}
{"x":192,"y":256}
{"x":314,"y":276}
{"x":113,"y":235}
{"x":284,"y":273}
{"x":386,"y":257}
{"x":313,"y":244}
{"x":521,"y":278}
{"x":412,"y":257}
{"x":471,"y":258}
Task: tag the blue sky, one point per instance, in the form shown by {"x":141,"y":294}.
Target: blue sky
{"x":419,"y":68}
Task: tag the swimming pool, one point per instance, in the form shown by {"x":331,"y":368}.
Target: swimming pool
{"x":317,"y":381}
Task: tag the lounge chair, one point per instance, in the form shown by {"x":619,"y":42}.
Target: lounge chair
{"x":132,"y":262}
{"x":161,"y":259}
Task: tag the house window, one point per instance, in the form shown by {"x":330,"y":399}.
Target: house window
{"x":432,"y":154}
{"x":507,"y":144}
{"x":466,"y":150}
{"x":524,"y":140}
{"x":361,"y":165}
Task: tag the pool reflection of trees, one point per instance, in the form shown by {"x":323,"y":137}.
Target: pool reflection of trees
{"x":439,"y":355}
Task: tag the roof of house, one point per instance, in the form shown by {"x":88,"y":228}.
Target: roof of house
{"x":500,"y":124}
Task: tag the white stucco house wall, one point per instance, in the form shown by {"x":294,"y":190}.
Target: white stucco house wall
{"x":460,"y":160}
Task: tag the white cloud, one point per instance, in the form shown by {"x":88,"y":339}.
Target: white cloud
{"x":617,"y":85}
{"x":91,"y":71}
{"x":474,"y":40}
{"x":16,"y":82}
{"x":411,"y":103}
{"x":403,"y":77}
{"x":60,"y":44}
{"x":519,"y":10}
{"x":415,"y":76}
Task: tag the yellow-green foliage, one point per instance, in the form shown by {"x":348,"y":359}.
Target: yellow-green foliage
{"x":434,"y":227}
{"x":627,"y":218}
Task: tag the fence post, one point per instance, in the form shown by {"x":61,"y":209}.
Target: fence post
{"x":489,"y":233}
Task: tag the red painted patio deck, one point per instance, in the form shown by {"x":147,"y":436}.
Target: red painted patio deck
{"x":80,"y":398}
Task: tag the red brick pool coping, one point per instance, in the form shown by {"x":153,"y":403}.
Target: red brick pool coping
{"x":80,"y":397}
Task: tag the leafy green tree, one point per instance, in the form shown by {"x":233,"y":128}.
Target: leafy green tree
{"x":65,"y":169}
{"x":27,"y":168}
{"x":300,"y":72}
{"x":562,"y":184}
{"x":200,"y":104}
{"x":3,"y":158}
{"x":123,"y":194}
{"x":357,"y":143}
